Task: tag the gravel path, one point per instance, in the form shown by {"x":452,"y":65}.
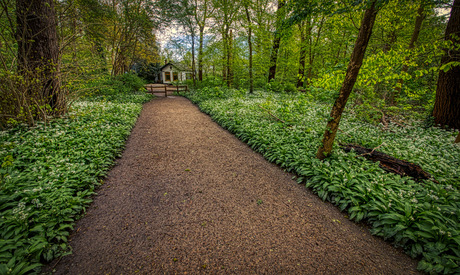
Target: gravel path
{"x":189,"y":197}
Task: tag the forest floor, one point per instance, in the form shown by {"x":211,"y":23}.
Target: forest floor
{"x":189,"y":197}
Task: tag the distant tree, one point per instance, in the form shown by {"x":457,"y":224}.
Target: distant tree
{"x":276,"y":39}
{"x":303,"y":54}
{"x":202,"y":11}
{"x":446,"y":110}
{"x":249,"y":22}
{"x":365,"y":31}
{"x":415,"y":34}
{"x":226,"y":13}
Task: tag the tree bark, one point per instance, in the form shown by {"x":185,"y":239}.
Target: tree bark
{"x":38,"y":50}
{"x":251,"y":80}
{"x":200,"y":55}
{"x":446,"y":110}
{"x":193,"y":58}
{"x":276,"y":42}
{"x":230,"y":60}
{"x":356,"y":61}
{"x":413,"y":40}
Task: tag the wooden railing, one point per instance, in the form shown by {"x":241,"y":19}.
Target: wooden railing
{"x":166,"y":88}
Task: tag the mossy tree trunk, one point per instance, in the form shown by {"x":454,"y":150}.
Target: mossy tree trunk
{"x":356,"y":61}
{"x":38,"y":53}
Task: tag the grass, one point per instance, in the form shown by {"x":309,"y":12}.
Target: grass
{"x":423,"y":217}
{"x":48,"y":174}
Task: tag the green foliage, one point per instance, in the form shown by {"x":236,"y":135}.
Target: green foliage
{"x":111,"y":87}
{"x":278,"y":87}
{"x":422,"y":217}
{"x":49,"y":172}
{"x":129,"y":82}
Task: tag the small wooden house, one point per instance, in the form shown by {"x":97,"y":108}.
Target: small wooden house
{"x":174,"y":72}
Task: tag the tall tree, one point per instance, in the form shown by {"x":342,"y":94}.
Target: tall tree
{"x":248,"y":18}
{"x":131,"y":26}
{"x":276,"y":40}
{"x":365,"y":31}
{"x":225,"y":13}
{"x":203,"y":10}
{"x":38,"y":50}
{"x":446,"y":110}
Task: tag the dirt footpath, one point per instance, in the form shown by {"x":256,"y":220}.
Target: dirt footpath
{"x":189,"y":197}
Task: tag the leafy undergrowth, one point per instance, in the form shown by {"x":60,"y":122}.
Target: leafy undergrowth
{"x":423,"y":217}
{"x":49,"y":172}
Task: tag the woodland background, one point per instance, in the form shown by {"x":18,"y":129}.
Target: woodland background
{"x":72,"y":76}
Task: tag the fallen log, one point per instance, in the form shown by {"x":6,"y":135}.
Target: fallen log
{"x":389,"y":163}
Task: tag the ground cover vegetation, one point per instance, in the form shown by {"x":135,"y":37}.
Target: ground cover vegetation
{"x":65,"y":72}
{"x":50,"y":171}
{"x":421,"y":216}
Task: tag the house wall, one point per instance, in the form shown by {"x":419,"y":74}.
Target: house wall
{"x":170,"y":70}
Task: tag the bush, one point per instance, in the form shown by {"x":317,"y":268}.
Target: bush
{"x":129,"y":82}
{"x":289,"y":87}
{"x":274,"y":86}
{"x":107,"y":86}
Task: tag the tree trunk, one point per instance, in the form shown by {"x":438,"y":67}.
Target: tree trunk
{"x":276,"y":42}
{"x":446,"y":110}
{"x":38,"y":50}
{"x":303,"y":54}
{"x":356,"y":61}
{"x":230,"y":60}
{"x":193,"y":59}
{"x":224,"y":56}
{"x":251,"y":80}
{"x":413,"y":40}
{"x":200,"y":55}
{"x":457,"y":140}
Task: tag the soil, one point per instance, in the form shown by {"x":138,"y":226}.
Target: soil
{"x":188,"y":197}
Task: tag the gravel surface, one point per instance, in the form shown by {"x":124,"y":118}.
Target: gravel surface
{"x":188,"y":197}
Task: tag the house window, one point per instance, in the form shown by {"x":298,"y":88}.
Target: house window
{"x":188,"y":76}
{"x":175,"y":77}
{"x":167,"y":77}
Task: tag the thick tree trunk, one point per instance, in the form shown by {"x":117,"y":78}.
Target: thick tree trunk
{"x":38,"y":50}
{"x":413,"y":40}
{"x":303,"y":55}
{"x":446,"y":110}
{"x":356,"y":61}
{"x":251,"y":79}
{"x":276,"y":42}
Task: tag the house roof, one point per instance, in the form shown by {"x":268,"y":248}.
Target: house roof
{"x":179,"y":66}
